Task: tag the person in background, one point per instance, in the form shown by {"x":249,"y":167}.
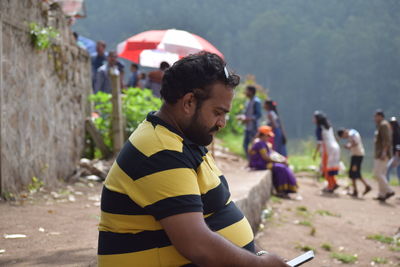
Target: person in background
{"x":121,"y":69}
{"x":154,"y":79}
{"x":329,"y":150}
{"x":98,"y":60}
{"x":273,"y":120}
{"x":134,"y":78}
{"x":355,"y":145}
{"x":251,"y":116}
{"x":142,"y":80}
{"x":164,"y":201}
{"x":102,"y":81}
{"x":394,"y":162}
{"x":263,"y":158}
{"x":383,"y":152}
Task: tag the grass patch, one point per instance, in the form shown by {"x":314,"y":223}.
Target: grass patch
{"x":326,"y":213}
{"x":326,"y":247}
{"x":394,"y":182}
{"x":305,"y":223}
{"x":380,"y":260}
{"x":303,"y":211}
{"x":382,"y":239}
{"x":305,"y":248}
{"x":395,"y":249}
{"x":302,"y":208}
{"x":275,"y":199}
{"x":233,"y":142}
{"x":345,"y":258}
{"x":313,"y":231}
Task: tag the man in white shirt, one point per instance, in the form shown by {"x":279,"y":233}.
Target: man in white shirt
{"x":357,"y":151}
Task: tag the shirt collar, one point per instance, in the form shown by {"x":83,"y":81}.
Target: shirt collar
{"x":154,"y":120}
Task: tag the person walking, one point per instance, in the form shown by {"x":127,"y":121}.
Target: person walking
{"x":273,"y":120}
{"x":357,"y":151}
{"x":383,"y":152}
{"x":394,"y":162}
{"x":251,"y":116}
{"x":329,"y":150}
{"x":164,"y":201}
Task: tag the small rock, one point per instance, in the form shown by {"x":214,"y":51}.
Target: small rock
{"x":95,"y":198}
{"x":71,"y":198}
{"x":96,"y":204}
{"x":54,"y":233}
{"x":78,"y":193}
{"x":14,"y":236}
{"x":2,"y":251}
{"x":94,"y":178}
{"x":41,"y":229}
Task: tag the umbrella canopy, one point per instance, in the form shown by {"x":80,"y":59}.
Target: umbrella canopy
{"x":149,"y":48}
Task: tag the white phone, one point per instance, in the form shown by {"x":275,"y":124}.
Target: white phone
{"x":309,"y":255}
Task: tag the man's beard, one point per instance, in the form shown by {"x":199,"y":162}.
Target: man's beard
{"x":198,"y":133}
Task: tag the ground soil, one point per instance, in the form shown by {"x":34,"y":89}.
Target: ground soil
{"x":61,"y":226}
{"x":346,"y":229}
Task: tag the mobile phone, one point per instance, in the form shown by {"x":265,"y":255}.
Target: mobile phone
{"x":309,"y":255}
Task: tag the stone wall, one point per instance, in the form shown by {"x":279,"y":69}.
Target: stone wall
{"x":43,"y":97}
{"x":253,"y":202}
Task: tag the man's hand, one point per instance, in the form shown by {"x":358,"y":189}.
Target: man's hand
{"x":273,"y":260}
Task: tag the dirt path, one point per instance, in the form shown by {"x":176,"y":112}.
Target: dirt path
{"x":61,"y":227}
{"x":340,"y":222}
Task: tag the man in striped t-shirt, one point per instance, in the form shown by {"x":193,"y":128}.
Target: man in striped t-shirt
{"x":164,"y":202}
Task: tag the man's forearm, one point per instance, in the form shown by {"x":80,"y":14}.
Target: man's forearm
{"x":221,"y":252}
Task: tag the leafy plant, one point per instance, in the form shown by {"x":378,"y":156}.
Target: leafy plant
{"x":42,"y":37}
{"x":136,"y":104}
{"x":345,"y":258}
{"x":35,"y":185}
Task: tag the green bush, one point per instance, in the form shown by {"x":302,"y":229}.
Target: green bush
{"x":136,"y":103}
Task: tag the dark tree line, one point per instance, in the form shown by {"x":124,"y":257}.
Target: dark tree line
{"x":339,"y":56}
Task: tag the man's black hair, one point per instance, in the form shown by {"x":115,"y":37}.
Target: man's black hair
{"x":195,"y":74}
{"x":252,"y":89}
{"x":135,"y":65}
{"x":340,"y":132}
{"x":164,"y":65}
{"x":380,"y":112}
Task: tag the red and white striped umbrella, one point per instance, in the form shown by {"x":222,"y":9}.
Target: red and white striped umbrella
{"x":150,"y":48}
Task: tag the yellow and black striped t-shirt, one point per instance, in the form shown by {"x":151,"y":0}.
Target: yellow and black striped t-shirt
{"x":159,"y":173}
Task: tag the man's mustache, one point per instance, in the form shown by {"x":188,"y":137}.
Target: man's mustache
{"x":214,"y":129}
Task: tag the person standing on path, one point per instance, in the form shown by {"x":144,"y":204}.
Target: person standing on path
{"x":274,"y":121}
{"x":383,"y":152}
{"x":394,"y":162}
{"x":329,"y":150}
{"x":103,"y":81}
{"x":164,"y":201}
{"x":357,"y":151}
{"x":250,"y":118}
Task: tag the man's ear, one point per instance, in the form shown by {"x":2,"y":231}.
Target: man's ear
{"x":188,"y":104}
